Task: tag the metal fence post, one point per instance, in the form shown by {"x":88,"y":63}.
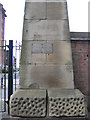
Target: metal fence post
{"x":5,"y":78}
{"x":10,"y":72}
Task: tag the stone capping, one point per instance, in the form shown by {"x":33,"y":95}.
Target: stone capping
{"x":77,"y":39}
{"x":80,"y":35}
{"x":44,"y":48}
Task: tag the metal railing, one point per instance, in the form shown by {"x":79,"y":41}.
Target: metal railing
{"x":8,"y":83}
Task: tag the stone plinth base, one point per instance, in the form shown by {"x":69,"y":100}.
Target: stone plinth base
{"x":66,"y":102}
{"x":53,"y":103}
{"x":28,"y":103}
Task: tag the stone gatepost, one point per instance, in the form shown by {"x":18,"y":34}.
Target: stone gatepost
{"x":46,"y":72}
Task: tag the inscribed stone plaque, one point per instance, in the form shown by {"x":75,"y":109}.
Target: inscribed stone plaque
{"x":36,"y":48}
{"x":45,"y":48}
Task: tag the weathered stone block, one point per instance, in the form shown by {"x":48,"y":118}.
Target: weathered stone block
{"x":45,"y":0}
{"x":46,"y":30}
{"x":36,"y":0}
{"x":69,"y":102}
{"x":50,"y":10}
{"x":36,"y":48}
{"x":47,"y":48}
{"x":26,"y":52}
{"x":56,"y":10}
{"x":29,"y":103}
{"x":35,"y":10}
{"x":46,"y":76}
{"x":38,"y":58}
{"x":56,"y":52}
{"x":32,"y":52}
{"x":56,"y":0}
{"x":61,"y":53}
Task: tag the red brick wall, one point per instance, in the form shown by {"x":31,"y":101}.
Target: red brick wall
{"x":80,"y":64}
{"x":81,"y":67}
{"x":2,"y":23}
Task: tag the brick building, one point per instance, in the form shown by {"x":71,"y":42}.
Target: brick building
{"x":2,"y":23}
{"x":80,"y":43}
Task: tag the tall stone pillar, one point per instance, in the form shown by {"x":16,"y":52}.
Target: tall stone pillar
{"x":46,"y":58}
{"x":46,"y":72}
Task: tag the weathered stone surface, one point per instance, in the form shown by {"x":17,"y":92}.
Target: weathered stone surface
{"x":46,"y":48}
{"x":56,"y":52}
{"x":36,"y":48}
{"x":56,"y":1}
{"x":67,"y":102}
{"x":38,"y":58}
{"x":27,"y":56}
{"x":46,"y":76}
{"x":29,"y":103}
{"x":61,"y":53}
{"x":36,"y":1}
{"x":45,"y":0}
{"x":26,"y":52}
{"x":46,"y":10}
{"x":35,"y":10}
{"x":46,"y":30}
{"x":56,"y":10}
